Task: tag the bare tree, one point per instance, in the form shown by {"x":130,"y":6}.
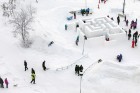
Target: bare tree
{"x":22,"y":21}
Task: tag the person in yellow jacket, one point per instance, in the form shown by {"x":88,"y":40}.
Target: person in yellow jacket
{"x":33,"y":78}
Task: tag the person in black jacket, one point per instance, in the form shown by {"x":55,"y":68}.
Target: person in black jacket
{"x":25,"y":65}
{"x":43,"y":65}
{"x":32,"y":71}
{"x":1,"y":82}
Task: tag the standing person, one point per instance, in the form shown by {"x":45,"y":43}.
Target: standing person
{"x":126,"y":22}
{"x":33,"y":78}
{"x":25,"y":65}
{"x":133,"y":43}
{"x":74,"y":15}
{"x":81,"y":68}
{"x":76,"y":69}
{"x":118,"y":20}
{"x":77,"y":40}
{"x":6,"y":82}
{"x":32,"y":71}
{"x":1,"y":83}
{"x":43,"y":65}
{"x":125,"y":18}
{"x":66,"y":26}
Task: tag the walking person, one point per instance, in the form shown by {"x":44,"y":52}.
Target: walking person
{"x":6,"y":82}
{"x":33,"y":78}
{"x":43,"y":65}
{"x":25,"y":65}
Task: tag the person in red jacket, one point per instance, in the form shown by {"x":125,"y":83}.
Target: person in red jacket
{"x":6,"y":82}
{"x":133,"y":43}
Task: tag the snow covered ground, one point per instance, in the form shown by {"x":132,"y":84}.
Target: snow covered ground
{"x":108,"y":76}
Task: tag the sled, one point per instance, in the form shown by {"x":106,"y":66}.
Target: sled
{"x":69,"y":18}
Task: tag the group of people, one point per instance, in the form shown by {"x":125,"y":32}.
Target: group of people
{"x":85,"y":11}
{"x":78,"y":69}
{"x":2,"y":82}
{"x":33,"y":75}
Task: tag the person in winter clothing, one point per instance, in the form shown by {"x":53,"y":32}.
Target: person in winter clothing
{"x":81,"y":68}
{"x":77,"y":70}
{"x":33,"y":78}
{"x":1,"y":83}
{"x":74,"y":15}
{"x":66,"y":26}
{"x":126,"y":22}
{"x":125,"y":18}
{"x":118,"y":20}
{"x":77,"y":40}
{"x":32,"y":71}
{"x":50,"y":43}
{"x":119,"y":57}
{"x":43,"y":65}
{"x":133,"y":43}
{"x":6,"y":82}
{"x":25,"y":65}
{"x":131,"y":25}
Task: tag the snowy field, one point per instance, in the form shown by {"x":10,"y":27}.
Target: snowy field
{"x":109,"y":76}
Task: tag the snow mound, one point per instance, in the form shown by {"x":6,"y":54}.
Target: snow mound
{"x":110,"y":77}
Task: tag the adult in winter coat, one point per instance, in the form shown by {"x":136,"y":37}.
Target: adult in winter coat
{"x":33,"y":78}
{"x":1,"y":83}
{"x":77,"y":70}
{"x":127,"y":22}
{"x":118,"y":20}
{"x":6,"y":82}
{"x":81,"y":68}
{"x":74,"y":15}
{"x":43,"y":65}
{"x":32,"y":71}
{"x":25,"y":65}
